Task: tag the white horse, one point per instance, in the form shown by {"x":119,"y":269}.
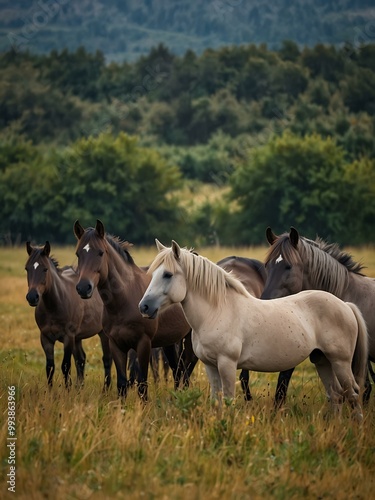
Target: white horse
{"x":232,"y":329}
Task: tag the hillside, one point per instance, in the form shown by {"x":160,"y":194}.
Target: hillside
{"x":126,"y":29}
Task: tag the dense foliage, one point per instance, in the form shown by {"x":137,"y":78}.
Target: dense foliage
{"x":286,"y":136}
{"x":132,"y":27}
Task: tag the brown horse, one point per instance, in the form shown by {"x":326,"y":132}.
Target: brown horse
{"x":252,"y":274}
{"x":295,"y":263}
{"x":105,"y":263}
{"x":62,"y":317}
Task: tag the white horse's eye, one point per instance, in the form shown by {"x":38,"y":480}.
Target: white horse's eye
{"x":167,"y":275}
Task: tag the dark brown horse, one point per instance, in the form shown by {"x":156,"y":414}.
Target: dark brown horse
{"x":295,"y":263}
{"x":104,"y":262}
{"x":61,"y":315}
{"x":252,"y":274}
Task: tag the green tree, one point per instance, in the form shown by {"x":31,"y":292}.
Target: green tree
{"x":293,"y":181}
{"x":130,"y":188}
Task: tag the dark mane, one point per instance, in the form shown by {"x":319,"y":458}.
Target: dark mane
{"x":327,"y":265}
{"x":53,"y":260}
{"x":284,"y":246}
{"x":343,"y":257}
{"x":121,"y":247}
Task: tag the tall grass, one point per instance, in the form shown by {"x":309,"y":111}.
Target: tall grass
{"x":85,"y":444}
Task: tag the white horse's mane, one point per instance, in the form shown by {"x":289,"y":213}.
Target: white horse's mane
{"x":201,"y":274}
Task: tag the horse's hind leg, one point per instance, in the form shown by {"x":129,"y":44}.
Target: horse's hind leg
{"x":351,"y":389}
{"x":282,"y":387}
{"x":107,"y":359}
{"x":245,"y":385}
{"x":331,"y":384}
{"x":368,"y":388}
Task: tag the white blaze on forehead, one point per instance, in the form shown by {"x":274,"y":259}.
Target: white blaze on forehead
{"x":87,"y":247}
{"x":36,"y":264}
{"x":279,"y":259}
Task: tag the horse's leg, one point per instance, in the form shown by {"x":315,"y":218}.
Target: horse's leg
{"x":120,"y":359}
{"x":133,"y":367}
{"x":244,"y":379}
{"x":67,"y":359}
{"x":165,"y":364}
{"x":282,"y":387}
{"x":80,"y":361}
{"x":154,"y":362}
{"x":227,"y":371}
{"x":107,"y":359}
{"x":143,"y":353}
{"x":331,"y":384}
{"x":188,"y":358}
{"x":349,"y":385}
{"x":368,"y":388}
{"x":214,"y":380}
{"x":171,"y":355}
{"x":49,"y":348}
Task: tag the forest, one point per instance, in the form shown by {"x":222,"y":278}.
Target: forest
{"x":204,"y":148}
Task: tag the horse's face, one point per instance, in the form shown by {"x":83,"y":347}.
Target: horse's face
{"x":37,"y":267}
{"x":92,"y":258}
{"x":284,"y":268}
{"x":166,"y":288}
{"x":283,"y":278}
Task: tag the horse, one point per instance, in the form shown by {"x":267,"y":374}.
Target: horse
{"x":60,"y":316}
{"x":157,"y":353}
{"x":252,"y":274}
{"x":105,"y":264}
{"x":232,"y":329}
{"x":295,"y":263}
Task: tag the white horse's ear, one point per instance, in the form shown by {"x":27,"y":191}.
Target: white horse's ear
{"x":159,"y":245}
{"x":176,"y":250}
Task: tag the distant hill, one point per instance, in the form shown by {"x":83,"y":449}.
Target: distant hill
{"x":124,"y":29}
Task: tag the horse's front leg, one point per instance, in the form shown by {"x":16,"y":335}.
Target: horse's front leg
{"x":107,"y":359}
{"x":227,"y":368}
{"x":67,"y":359}
{"x":214,"y":380}
{"x":80,"y":361}
{"x":120,"y":359}
{"x":143,"y":354}
{"x":49,"y":348}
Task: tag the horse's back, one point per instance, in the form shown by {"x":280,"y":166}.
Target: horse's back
{"x":251,"y":272}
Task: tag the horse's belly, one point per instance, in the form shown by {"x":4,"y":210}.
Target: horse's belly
{"x":273,"y":357}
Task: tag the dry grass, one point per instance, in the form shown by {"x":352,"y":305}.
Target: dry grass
{"x":83,"y":444}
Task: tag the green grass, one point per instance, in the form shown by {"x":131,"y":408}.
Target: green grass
{"x":86,"y":444}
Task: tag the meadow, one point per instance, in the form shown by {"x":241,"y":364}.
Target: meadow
{"x":83,"y":444}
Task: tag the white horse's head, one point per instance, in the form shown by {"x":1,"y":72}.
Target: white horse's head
{"x":168,"y":283}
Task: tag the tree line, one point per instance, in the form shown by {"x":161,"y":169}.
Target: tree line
{"x":287,"y":135}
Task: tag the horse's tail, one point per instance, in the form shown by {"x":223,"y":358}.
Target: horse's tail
{"x":360,"y":356}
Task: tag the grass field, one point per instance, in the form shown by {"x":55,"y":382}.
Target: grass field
{"x":88,"y":445}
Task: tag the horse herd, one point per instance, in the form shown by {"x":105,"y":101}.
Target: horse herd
{"x":195,"y":309}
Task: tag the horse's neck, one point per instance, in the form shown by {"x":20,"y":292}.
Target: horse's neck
{"x":56,"y":289}
{"x":123,"y":280}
